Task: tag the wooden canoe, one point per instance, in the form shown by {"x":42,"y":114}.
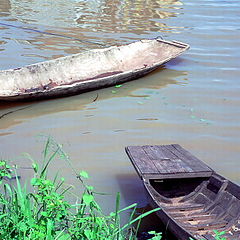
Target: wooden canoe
{"x":194,"y":200}
{"x":87,"y":71}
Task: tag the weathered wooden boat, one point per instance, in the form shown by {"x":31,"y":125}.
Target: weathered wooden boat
{"x":195,"y":201}
{"x":87,"y":71}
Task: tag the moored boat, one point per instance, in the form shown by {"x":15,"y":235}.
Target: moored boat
{"x":195,"y":201}
{"x":87,"y":71}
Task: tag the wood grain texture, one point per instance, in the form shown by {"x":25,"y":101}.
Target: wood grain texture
{"x":140,"y":160}
{"x":164,"y":160}
{"x":86,"y":71}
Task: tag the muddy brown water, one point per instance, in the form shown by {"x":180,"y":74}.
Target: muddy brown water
{"x":193,"y":100}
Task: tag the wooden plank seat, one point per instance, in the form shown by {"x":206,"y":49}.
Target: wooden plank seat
{"x":185,"y":207}
{"x":186,"y":214}
{"x":195,"y":218}
{"x":205,"y":226}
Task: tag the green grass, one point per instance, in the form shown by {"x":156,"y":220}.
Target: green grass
{"x":45,"y":213}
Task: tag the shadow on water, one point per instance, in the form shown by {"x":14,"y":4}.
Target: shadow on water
{"x":152,"y":223}
{"x":133,"y":191}
{"x":12,"y":113}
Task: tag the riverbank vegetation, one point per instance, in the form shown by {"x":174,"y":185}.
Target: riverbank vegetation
{"x":39,"y":210}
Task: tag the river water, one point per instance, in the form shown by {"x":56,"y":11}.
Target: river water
{"x":193,"y":100}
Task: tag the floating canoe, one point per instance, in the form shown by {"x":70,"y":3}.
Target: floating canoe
{"x":87,"y":71}
{"x":195,"y":201}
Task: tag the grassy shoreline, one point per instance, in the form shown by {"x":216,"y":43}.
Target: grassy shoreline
{"x":44,"y":213}
{"x":39,"y":209}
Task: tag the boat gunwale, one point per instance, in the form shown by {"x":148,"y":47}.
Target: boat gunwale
{"x":214,"y":195}
{"x":162,"y":211}
{"x":166,"y":212}
{"x":24,"y":95}
{"x":153,"y":194}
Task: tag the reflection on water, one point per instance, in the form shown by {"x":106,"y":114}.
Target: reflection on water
{"x":108,"y":21}
{"x":104,"y":15}
{"x":5,"y":6}
{"x":126,"y":16}
{"x":9,"y":111}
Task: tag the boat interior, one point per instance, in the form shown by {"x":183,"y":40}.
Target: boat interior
{"x":88,"y":66}
{"x":201,"y":205}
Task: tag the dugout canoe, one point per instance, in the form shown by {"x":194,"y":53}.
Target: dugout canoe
{"x":195,"y":201}
{"x":87,"y":71}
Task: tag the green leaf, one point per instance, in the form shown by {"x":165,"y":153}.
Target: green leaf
{"x":34,"y":181}
{"x":44,"y":214}
{"x":22,"y":227}
{"x":35,"y":167}
{"x":8,"y":166}
{"x":84,"y":174}
{"x":87,"y":199}
{"x":88,"y":233}
{"x":139,"y":217}
{"x":90,"y":188}
{"x":112,"y":214}
{"x":221,"y":233}
{"x":61,"y":235}
{"x":118,"y":86}
{"x":2,"y":163}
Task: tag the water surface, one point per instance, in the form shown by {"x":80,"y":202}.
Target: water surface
{"x":193,"y":100}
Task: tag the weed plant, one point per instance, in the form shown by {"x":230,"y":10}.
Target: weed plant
{"x":44,"y":213}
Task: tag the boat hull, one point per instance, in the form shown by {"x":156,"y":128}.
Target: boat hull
{"x":87,"y":71}
{"x":195,"y":201}
{"x":81,"y":87}
{"x":171,"y":225}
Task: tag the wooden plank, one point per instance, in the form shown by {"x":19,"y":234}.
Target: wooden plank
{"x":166,"y":152}
{"x":141,"y":161}
{"x":234,"y":208}
{"x":165,"y":160}
{"x":158,"y":152}
{"x":186,"y":207}
{"x":197,"y":162}
{"x":206,"y":226}
{"x":153,"y":153}
{"x":178,"y":175}
{"x":195,"y":217}
{"x":193,"y":162}
{"x":165,"y":166}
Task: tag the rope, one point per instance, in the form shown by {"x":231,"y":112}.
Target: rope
{"x":52,"y":34}
{"x":159,"y":36}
